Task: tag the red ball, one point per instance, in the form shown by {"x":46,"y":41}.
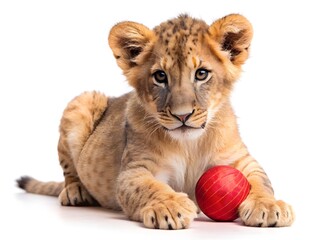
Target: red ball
{"x":220,"y":191}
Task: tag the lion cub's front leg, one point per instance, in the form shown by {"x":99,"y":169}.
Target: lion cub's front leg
{"x":261,"y":209}
{"x":154,"y":203}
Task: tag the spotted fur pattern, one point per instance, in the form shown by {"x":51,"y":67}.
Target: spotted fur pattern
{"x":143,"y":152}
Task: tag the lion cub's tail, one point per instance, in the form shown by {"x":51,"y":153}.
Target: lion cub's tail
{"x":32,"y":185}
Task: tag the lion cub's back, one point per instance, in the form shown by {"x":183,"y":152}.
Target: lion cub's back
{"x":99,"y":161}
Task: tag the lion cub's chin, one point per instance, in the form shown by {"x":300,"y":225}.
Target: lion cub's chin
{"x":186,"y":133}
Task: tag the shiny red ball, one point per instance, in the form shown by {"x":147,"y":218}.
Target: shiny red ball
{"x":220,"y":191}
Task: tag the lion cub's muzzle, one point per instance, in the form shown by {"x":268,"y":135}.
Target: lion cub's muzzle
{"x":184,"y":126}
{"x":188,"y":122}
{"x":182,"y":117}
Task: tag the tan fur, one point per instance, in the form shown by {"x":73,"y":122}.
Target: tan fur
{"x":144,"y":151}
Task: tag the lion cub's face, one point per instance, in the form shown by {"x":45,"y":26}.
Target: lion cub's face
{"x":183,"y":70}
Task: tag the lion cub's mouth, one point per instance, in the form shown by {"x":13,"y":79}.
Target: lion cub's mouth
{"x":184,"y":128}
{"x":186,"y":132}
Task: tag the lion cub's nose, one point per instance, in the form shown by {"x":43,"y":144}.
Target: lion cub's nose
{"x":182,"y":117}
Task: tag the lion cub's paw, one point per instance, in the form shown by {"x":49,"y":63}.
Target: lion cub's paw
{"x":266,"y":212}
{"x":171,"y":211}
{"x":76,"y":195}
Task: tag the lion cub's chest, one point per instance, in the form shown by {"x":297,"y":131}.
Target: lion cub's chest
{"x":182,"y":171}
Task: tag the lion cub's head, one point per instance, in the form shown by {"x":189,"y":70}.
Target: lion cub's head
{"x":183,"y":69}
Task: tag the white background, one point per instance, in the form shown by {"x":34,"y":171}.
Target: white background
{"x":51,"y":51}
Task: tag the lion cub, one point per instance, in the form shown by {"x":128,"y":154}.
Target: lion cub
{"x":143,"y":152}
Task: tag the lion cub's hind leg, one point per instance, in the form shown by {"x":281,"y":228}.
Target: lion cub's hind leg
{"x":77,"y":124}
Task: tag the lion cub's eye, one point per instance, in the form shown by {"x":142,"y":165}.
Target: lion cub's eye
{"x":201,"y":74}
{"x":160,"y":77}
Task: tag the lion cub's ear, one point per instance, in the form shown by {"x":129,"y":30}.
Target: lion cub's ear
{"x":233,"y":33}
{"x":129,"y":41}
